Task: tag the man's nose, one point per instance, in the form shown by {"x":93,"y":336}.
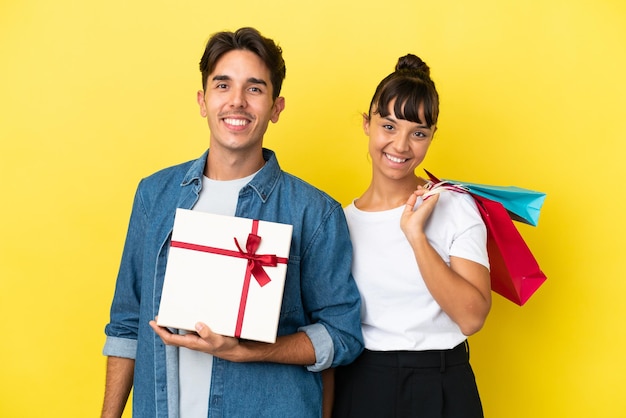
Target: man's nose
{"x":238,"y":98}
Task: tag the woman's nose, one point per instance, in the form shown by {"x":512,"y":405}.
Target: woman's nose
{"x":401,"y":143}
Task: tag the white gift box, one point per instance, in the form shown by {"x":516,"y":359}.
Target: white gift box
{"x":214,"y":275}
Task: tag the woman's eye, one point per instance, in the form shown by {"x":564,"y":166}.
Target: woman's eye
{"x":388,"y":127}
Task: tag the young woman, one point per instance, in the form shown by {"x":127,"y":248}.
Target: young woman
{"x":421,"y":265}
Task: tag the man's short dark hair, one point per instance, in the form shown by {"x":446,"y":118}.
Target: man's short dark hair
{"x":248,"y":39}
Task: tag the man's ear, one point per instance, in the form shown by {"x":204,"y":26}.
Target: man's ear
{"x":279,"y":106}
{"x":201,"y":103}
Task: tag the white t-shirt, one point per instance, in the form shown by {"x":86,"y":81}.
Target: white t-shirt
{"x":194,"y":367}
{"x":398,"y":312}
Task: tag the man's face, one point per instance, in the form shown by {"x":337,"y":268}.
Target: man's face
{"x":238,"y":102}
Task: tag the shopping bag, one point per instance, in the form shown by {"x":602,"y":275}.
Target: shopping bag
{"x":515,"y":273}
{"x":523,"y":205}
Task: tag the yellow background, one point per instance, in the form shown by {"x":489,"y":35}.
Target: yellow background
{"x":96,"y":95}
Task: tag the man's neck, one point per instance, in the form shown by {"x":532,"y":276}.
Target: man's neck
{"x":231,"y":166}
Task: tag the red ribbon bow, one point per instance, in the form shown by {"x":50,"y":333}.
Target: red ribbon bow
{"x":257,"y":262}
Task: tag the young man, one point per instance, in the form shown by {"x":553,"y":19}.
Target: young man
{"x":204,"y":374}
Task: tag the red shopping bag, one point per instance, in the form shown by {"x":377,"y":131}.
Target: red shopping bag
{"x":515,"y":273}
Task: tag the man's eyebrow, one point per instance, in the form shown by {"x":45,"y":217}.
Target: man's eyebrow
{"x":252,"y":80}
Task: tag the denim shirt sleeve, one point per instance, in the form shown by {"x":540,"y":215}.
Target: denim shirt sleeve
{"x":330,"y":294}
{"x":122,"y":330}
{"x":323,"y":345}
{"x":120,"y":347}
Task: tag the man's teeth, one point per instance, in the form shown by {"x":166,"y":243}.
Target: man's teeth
{"x":394,"y":159}
{"x":236,"y":122}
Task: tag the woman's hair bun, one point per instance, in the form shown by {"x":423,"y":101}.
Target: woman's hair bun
{"x":412,"y":63}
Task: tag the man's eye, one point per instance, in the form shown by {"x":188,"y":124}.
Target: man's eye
{"x":388,"y":127}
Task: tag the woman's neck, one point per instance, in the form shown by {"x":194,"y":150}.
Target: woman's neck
{"x":388,"y":194}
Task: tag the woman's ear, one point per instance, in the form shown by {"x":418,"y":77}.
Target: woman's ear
{"x":366,"y":124}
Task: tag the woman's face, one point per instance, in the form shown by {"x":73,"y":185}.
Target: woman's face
{"x":397,"y":146}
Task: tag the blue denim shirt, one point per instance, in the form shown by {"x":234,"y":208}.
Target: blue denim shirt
{"x":320,"y":296}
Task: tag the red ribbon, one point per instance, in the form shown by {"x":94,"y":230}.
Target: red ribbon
{"x":256,"y":262}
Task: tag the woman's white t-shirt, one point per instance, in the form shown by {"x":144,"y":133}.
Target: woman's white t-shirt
{"x":398,"y":312}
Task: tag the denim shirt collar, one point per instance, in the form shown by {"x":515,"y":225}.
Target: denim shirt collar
{"x":196,"y":170}
{"x":263,"y":183}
